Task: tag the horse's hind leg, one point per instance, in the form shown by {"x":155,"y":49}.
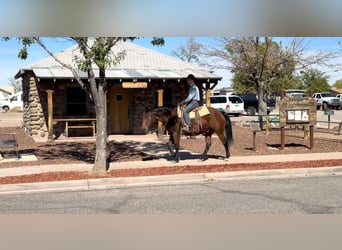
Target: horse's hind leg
{"x":225,"y":144}
{"x":170,"y":144}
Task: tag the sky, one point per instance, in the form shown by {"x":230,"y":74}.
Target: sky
{"x":10,"y":63}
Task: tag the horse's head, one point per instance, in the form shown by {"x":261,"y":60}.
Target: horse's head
{"x":149,"y":119}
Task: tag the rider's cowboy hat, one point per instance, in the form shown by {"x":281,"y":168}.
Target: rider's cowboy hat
{"x":191,"y":76}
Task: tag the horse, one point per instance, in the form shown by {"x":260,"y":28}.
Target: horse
{"x":215,"y":122}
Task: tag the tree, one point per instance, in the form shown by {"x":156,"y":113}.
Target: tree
{"x":190,"y":52}
{"x":315,"y":80}
{"x":338,"y":84}
{"x":94,"y":53}
{"x":264,"y":64}
{"x":16,"y":84}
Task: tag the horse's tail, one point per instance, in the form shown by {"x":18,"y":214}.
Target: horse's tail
{"x":228,"y":129}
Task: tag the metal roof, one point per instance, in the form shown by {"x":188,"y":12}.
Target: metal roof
{"x":139,"y":62}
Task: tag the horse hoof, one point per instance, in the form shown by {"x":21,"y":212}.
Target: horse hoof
{"x":226,"y":159}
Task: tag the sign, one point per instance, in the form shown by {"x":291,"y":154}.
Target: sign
{"x":255,"y":126}
{"x":299,"y":110}
{"x":329,"y":112}
{"x":297,"y":116}
{"x":134,"y":85}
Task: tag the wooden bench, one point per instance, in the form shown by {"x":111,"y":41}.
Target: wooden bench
{"x":77,"y":123}
{"x":270,"y":118}
{"x":10,"y":143}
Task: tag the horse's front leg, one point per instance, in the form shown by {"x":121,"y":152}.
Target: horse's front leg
{"x":176,"y":143}
{"x":170,"y":144}
{"x":177,"y":158}
{"x":207,"y":146}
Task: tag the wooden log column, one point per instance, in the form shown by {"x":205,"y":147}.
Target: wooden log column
{"x":160,"y":104}
{"x":50,"y":114}
{"x":207,"y":94}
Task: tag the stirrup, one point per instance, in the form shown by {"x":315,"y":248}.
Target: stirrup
{"x":186,"y":129}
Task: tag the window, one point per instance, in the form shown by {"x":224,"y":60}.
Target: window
{"x":218,"y":99}
{"x":76,"y":101}
{"x":168,"y":97}
{"x":119,"y":98}
{"x":235,"y":99}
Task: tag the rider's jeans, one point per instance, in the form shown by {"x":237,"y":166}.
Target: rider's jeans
{"x":191,"y":106}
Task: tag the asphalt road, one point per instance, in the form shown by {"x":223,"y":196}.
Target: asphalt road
{"x":308,"y":195}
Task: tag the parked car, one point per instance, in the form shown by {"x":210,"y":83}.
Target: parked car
{"x":339,"y":96}
{"x":295,"y":93}
{"x":231,"y":104}
{"x":326,"y":100}
{"x":14,"y":101}
{"x":251,"y":104}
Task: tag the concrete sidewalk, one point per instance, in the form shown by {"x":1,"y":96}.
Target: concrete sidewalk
{"x":120,"y":182}
{"x":165,"y":162}
{"x":153,"y":146}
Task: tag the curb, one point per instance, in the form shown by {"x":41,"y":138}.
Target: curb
{"x":105,"y":183}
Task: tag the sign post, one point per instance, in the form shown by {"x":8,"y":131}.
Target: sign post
{"x":298,"y":111}
{"x":329,"y":113}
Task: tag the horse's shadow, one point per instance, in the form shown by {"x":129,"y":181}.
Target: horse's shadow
{"x":184,"y":155}
{"x":160,"y":151}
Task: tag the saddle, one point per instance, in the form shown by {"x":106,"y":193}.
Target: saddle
{"x":195,"y":116}
{"x":199,"y":111}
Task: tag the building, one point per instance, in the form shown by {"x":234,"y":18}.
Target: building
{"x":223,"y":91}
{"x":144,"y":78}
{"x":5,"y":92}
{"x":335,"y":91}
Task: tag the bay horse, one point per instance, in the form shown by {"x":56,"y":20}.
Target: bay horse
{"x":215,"y":122}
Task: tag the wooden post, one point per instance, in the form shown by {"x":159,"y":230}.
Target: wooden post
{"x":254,"y":139}
{"x":282,"y":138}
{"x":160,"y":104}
{"x":305,"y":129}
{"x":267,"y":125}
{"x":207,"y":94}
{"x":50,"y":114}
{"x":311,"y":137}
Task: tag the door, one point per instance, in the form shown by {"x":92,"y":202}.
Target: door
{"x":120,"y":109}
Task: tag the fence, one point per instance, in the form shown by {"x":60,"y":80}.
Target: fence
{"x":266,"y":121}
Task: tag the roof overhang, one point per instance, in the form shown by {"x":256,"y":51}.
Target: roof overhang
{"x":64,"y":73}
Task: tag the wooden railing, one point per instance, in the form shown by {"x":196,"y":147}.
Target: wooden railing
{"x":77,"y":123}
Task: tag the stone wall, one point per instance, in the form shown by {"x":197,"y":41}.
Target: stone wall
{"x":34,"y":116}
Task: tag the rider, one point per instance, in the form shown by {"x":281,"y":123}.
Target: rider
{"x":191,"y":101}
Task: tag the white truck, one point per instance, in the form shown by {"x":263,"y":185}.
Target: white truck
{"x":14,"y":101}
{"x":326,"y":100}
{"x":339,"y":96}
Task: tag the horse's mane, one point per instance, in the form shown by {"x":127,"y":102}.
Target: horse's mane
{"x":163,"y":111}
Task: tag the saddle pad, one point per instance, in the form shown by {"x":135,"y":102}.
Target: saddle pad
{"x":202,"y":111}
